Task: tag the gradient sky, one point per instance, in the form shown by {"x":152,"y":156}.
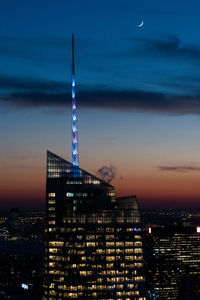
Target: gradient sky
{"x":138,"y":96}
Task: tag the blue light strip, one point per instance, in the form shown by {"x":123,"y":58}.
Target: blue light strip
{"x":75,"y":156}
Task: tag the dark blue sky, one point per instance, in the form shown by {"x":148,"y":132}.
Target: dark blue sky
{"x":112,"y":52}
{"x":138,"y":90}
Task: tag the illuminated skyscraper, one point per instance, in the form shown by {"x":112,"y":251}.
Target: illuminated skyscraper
{"x":93,"y":245}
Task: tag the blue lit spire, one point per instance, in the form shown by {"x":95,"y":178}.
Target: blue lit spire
{"x":75,"y":156}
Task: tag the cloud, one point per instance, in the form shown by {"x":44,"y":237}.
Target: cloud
{"x":54,"y":49}
{"x":42,"y":93}
{"x":181,"y":169}
{"x":107,"y":173}
{"x":142,"y":101}
{"x":171,"y":46}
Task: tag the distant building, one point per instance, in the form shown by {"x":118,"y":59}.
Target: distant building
{"x":14,"y":220}
{"x":14,"y":224}
{"x":190,"y":288}
{"x":175,"y":261}
{"x":93,"y":246}
{"x":21,"y":266}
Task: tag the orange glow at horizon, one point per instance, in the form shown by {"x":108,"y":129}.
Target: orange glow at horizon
{"x":27,"y":186}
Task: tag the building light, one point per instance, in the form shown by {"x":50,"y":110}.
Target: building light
{"x":149,"y":230}
{"x":74,"y":182}
{"x":198,"y":229}
{"x":24,"y":286}
{"x":51,"y":194}
{"x":70,"y":194}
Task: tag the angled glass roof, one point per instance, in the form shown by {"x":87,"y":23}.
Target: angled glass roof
{"x":57,"y":167}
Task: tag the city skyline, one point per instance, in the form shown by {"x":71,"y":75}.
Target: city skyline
{"x":137,"y":92}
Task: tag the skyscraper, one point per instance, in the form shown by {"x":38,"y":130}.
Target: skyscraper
{"x":93,"y":245}
{"x":14,"y":223}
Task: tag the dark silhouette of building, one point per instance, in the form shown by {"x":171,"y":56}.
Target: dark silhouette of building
{"x":14,"y":220}
{"x":174,"y":262}
{"x":190,"y":287}
{"x":93,"y":246}
{"x":14,"y":224}
{"x":21,"y":270}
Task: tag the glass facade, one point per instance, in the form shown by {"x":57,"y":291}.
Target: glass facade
{"x":93,"y":245}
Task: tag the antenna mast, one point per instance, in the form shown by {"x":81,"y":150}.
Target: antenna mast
{"x":75,"y":155}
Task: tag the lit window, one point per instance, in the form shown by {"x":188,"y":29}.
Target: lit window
{"x":90,"y":244}
{"x":128,"y":244}
{"x":51,"y":201}
{"x":119,"y":244}
{"x":51,"y":207}
{"x":70,"y":194}
{"x":51,"y":194}
{"x":74,"y":182}
{"x":56,"y":243}
{"x":51,"y":222}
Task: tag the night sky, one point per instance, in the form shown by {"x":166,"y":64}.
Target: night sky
{"x":138,"y":93}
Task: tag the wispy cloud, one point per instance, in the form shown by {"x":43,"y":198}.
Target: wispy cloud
{"x":142,"y":101}
{"x":181,"y":169}
{"x":170,"y":46}
{"x":40,"y":93}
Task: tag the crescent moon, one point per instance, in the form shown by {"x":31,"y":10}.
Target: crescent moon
{"x":140,"y":25}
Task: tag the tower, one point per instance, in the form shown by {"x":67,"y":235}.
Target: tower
{"x":75,"y":156}
{"x":93,"y":245}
